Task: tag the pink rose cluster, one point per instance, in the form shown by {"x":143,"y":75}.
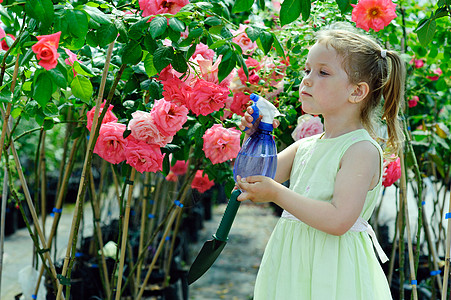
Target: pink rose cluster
{"x":240,"y":37}
{"x":265,"y":78}
{"x":179,"y":168}
{"x":156,"y":7}
{"x":201,"y":182}
{"x":221,"y":144}
{"x":392,"y":171}
{"x":149,"y":132}
{"x":307,"y":126}
{"x":200,"y":90}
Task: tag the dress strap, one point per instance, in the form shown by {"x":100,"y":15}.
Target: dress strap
{"x":362,"y":225}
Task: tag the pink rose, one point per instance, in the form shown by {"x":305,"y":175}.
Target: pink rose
{"x":46,"y":50}
{"x":166,"y":74}
{"x":241,"y":38}
{"x":413,"y":101}
{"x":438,"y":72}
{"x":169,"y":117}
{"x":156,"y":7}
{"x":176,"y":91}
{"x":207,"y":97}
{"x":144,"y":157}
{"x":109,"y":115}
{"x":221,"y":144}
{"x":180,"y":167}
{"x":72,"y":58}
{"x":143,"y":128}
{"x":307,"y":126}
{"x":417,"y":63}
{"x":240,"y":103}
{"x":201,"y":182}
{"x":253,"y":66}
{"x":4,"y":44}
{"x":204,"y":51}
{"x":110,"y":144}
{"x":209,"y":71}
{"x":375,"y":14}
{"x":172,"y":177}
{"x":392,"y":171}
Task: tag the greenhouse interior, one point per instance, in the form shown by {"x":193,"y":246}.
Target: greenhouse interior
{"x":225,"y":149}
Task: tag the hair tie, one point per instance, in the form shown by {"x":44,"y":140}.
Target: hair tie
{"x":384,"y":53}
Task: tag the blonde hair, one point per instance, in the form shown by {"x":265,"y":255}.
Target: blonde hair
{"x":384,"y":73}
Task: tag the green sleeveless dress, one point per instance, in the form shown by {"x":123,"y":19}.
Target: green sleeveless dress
{"x":303,"y":263}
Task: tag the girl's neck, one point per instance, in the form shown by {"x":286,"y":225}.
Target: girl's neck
{"x":336,"y":128}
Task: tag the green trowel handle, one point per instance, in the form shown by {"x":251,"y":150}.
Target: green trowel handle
{"x":229,"y":215}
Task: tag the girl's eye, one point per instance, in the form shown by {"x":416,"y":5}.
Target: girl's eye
{"x":324,"y":73}
{"x":306,"y":72}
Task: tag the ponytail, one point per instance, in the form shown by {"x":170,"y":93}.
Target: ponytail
{"x":393,"y":94}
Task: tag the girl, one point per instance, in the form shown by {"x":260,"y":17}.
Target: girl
{"x":320,"y":249}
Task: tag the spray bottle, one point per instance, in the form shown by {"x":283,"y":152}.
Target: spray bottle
{"x":258,"y":155}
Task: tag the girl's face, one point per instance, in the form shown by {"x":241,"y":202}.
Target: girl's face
{"x":325,"y":88}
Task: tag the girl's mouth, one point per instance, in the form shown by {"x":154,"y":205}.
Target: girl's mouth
{"x":304,"y":93}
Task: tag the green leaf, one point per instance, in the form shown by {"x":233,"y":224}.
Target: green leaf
{"x":148,"y":65}
{"x":154,"y":90}
{"x":43,"y":88}
{"x":290,"y":10}
{"x":132,"y":53}
{"x":252,"y":33}
{"x":305,"y":9}
{"x":344,"y":5}
{"x":97,"y":15}
{"x":162,"y":57}
{"x":123,"y":34}
{"x":81,"y":88}
{"x":212,"y":21}
{"x":425,"y":31}
{"x":179,"y":63}
{"x":82,"y":69}
{"x":106,"y":34}
{"x":242,"y":63}
{"x":195,"y":32}
{"x":242,"y":5}
{"x":78,"y":22}
{"x":5,"y":95}
{"x":265,"y":41}
{"x":158,"y":26}
{"x":225,"y":67}
{"x":137,"y":29}
{"x":150,"y":44}
{"x":50,"y":110}
{"x":217,"y":44}
{"x":278,"y":46}
{"x":166,"y":165}
{"x":41,"y":10}
{"x":58,"y":76}
{"x":177,"y":25}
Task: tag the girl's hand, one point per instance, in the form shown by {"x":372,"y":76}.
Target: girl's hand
{"x":258,"y":189}
{"x":247,"y":119}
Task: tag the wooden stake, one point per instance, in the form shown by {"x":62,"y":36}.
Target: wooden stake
{"x":125,"y":234}
{"x":447,"y":258}
{"x":86,"y":165}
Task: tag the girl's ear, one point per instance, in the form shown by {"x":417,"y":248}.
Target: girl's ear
{"x":361,"y":90}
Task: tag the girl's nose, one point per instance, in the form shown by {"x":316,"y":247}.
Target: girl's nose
{"x":306,"y":81}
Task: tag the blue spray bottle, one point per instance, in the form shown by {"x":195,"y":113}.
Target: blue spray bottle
{"x":258,"y":155}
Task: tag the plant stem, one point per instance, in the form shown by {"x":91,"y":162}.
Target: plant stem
{"x":125,"y":234}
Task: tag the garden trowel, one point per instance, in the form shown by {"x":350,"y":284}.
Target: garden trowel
{"x":211,"y":249}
